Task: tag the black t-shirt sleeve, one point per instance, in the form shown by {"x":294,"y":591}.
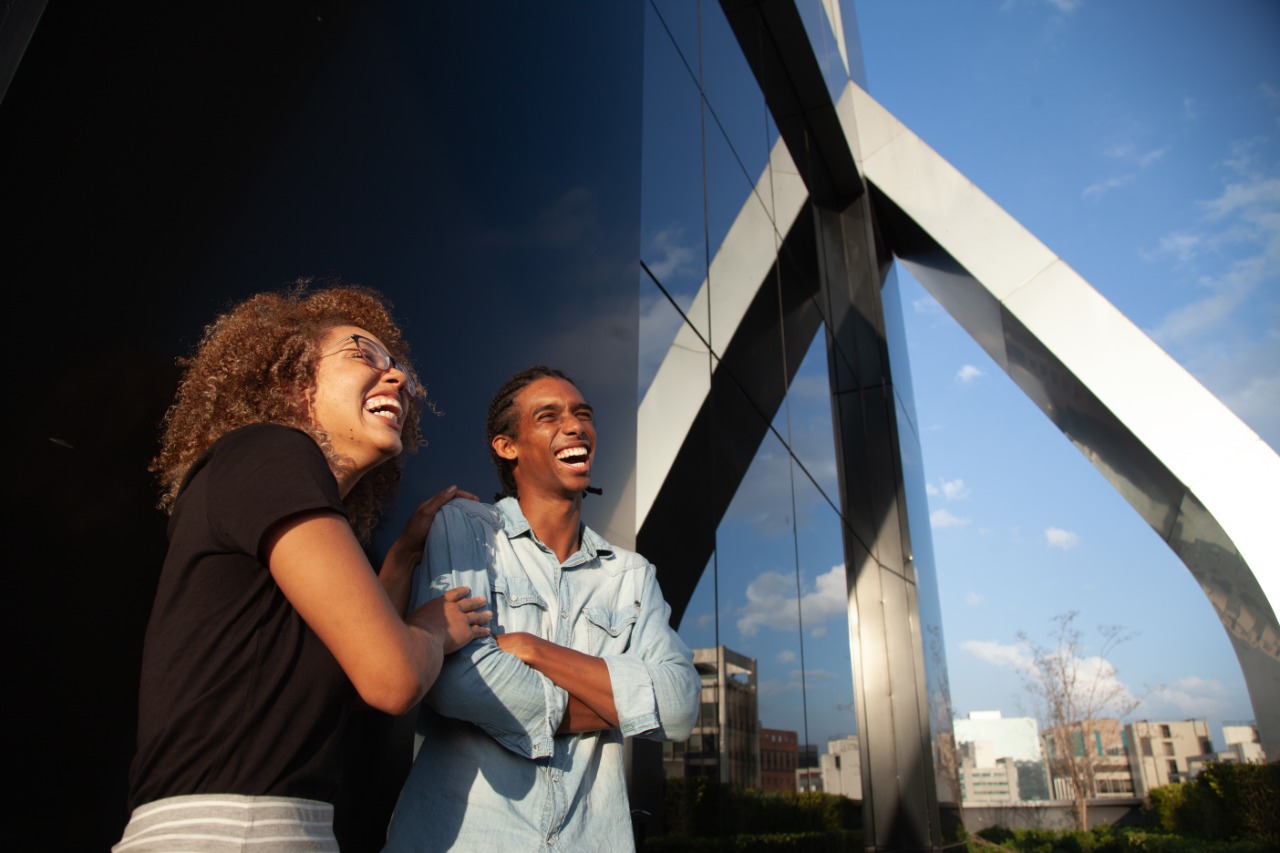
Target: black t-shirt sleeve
{"x":262,"y":474}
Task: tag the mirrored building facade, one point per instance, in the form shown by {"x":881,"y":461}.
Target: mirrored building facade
{"x":686,"y":206}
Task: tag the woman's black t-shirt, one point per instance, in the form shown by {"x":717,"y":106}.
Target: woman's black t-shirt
{"x":238,"y":695}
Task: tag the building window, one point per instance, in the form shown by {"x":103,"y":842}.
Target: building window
{"x":1164,"y":731}
{"x":1168,"y":748}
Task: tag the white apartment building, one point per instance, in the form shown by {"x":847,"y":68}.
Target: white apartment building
{"x":1159,"y":751}
{"x":842,"y":768}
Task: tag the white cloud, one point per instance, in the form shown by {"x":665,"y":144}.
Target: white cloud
{"x":1243,"y":197}
{"x":667,"y":255}
{"x":972,"y":599}
{"x":1059,"y":538}
{"x":1225,"y":335}
{"x":1202,"y":317}
{"x":1181,"y":245}
{"x":1098,"y":189}
{"x":1189,"y":109}
{"x":771,"y":602}
{"x":1191,"y":696}
{"x":940,"y":518}
{"x":967,"y":374}
{"x":1093,"y":674}
{"x":1003,"y":655}
{"x":955,"y":490}
{"x":786,"y":656}
{"x":1151,"y":157}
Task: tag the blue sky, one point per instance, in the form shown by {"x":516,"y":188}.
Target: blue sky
{"x":1140,"y":141}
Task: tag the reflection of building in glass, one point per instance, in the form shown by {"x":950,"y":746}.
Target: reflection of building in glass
{"x":1159,"y":751}
{"x":987,"y":784}
{"x":725,"y":744}
{"x":809,"y":773}
{"x":779,"y":758}
{"x":842,"y":768}
{"x":1000,"y":759}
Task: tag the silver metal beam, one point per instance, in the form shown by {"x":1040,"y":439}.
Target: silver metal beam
{"x":1192,"y":469}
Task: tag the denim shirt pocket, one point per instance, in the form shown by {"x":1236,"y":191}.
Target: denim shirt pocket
{"x":518,"y":606}
{"x":607,"y":630}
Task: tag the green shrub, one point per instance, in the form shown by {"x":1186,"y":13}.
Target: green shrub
{"x":1226,"y":802}
{"x":829,"y":841}
{"x":997,"y":834}
{"x":702,"y":807}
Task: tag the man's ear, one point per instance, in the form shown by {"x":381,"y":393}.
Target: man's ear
{"x":504,"y":447}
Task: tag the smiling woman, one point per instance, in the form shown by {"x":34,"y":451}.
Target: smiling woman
{"x":282,"y":445}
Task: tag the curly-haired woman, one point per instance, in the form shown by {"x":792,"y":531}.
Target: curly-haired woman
{"x":284,"y":443}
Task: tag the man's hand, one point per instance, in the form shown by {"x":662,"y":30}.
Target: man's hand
{"x":585,"y":677}
{"x":521,"y":644}
{"x":456,"y":618}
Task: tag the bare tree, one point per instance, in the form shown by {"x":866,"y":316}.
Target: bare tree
{"x":1072,"y":691}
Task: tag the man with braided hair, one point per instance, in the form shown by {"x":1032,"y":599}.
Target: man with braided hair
{"x":522,"y":735}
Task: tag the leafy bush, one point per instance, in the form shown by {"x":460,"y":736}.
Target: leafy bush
{"x":1105,"y":839}
{"x":699,"y":807}
{"x":1225,"y":802}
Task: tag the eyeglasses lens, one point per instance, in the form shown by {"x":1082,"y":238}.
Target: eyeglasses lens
{"x":379,"y":359}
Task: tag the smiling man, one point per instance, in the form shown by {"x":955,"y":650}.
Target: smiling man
{"x":522,"y":736}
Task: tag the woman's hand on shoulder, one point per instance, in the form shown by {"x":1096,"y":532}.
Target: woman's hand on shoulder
{"x":456,"y":618}
{"x":406,"y":551}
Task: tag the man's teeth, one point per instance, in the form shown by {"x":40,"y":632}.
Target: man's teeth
{"x":572,"y":454}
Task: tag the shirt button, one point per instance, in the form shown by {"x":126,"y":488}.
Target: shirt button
{"x":564,"y":615}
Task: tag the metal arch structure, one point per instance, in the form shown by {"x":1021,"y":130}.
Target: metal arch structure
{"x":1187,"y":465}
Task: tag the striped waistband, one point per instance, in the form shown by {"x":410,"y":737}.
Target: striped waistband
{"x":222,"y":823}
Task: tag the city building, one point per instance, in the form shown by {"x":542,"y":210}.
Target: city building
{"x":1243,"y":742}
{"x":809,"y":773}
{"x":510,"y":178}
{"x":1159,"y":752}
{"x":726,"y":740}
{"x":993,"y":783}
{"x":842,"y":768}
{"x":779,"y":760}
{"x":1103,"y":748}
{"x":1242,"y":747}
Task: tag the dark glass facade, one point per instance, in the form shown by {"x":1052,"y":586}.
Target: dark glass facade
{"x":575,"y":184}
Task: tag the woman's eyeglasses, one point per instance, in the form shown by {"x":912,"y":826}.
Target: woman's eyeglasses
{"x":377,"y":357}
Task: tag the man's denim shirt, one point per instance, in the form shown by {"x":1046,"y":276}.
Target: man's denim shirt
{"x":491,"y":773}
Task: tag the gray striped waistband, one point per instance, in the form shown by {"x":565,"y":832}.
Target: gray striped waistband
{"x":222,"y":823}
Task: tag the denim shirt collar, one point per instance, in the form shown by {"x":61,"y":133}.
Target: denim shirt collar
{"x":515,"y":525}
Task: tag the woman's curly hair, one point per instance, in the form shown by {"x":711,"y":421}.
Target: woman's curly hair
{"x":256,"y":363}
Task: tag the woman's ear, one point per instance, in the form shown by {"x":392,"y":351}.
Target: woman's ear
{"x":504,"y":447}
